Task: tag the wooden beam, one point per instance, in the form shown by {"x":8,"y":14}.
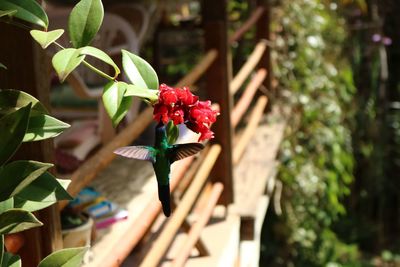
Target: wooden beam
{"x":248,"y":67}
{"x":263,"y":32}
{"x":28,"y":71}
{"x":214,"y":15}
{"x":163,"y":242}
{"x":251,"y":127}
{"x":248,"y":95}
{"x":250,"y":22}
{"x":198,"y":226}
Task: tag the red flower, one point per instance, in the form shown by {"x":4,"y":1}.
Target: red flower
{"x":168,"y":95}
{"x":181,"y":106}
{"x":203,"y":113}
{"x":177,"y":115}
{"x":160,"y":113}
{"x":186,"y":96}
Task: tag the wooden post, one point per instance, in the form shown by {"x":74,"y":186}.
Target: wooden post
{"x":27,"y":71}
{"x":263,"y":32}
{"x":217,"y":86}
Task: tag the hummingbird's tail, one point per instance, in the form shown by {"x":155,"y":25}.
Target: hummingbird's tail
{"x":164,"y":196}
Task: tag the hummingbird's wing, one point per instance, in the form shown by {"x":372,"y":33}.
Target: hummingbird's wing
{"x":181,"y":151}
{"x":137,"y":152}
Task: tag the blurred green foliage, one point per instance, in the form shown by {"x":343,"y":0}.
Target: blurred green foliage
{"x":316,"y":155}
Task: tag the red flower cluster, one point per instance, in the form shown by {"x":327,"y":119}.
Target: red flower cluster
{"x":181,"y":106}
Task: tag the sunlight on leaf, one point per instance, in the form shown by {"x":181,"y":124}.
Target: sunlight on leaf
{"x":17,"y":220}
{"x":46,"y":38}
{"x":65,"y":61}
{"x":97,"y":53}
{"x":139,"y":71}
{"x":13,"y":126}
{"x":85,"y":21}
{"x":150,"y":94}
{"x":112,"y":97}
{"x":16,"y":175}
{"x":41,"y":193}
{"x":27,"y":10}
{"x":10,"y":260}
{"x":12,"y":100}
{"x":69,"y":257}
{"x":42,"y":127}
{"x":9,"y":13}
{"x":172,"y":132}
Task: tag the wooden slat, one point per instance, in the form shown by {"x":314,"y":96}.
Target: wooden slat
{"x":162,"y":243}
{"x":250,"y":22}
{"x":245,"y":100}
{"x":198,"y":226}
{"x":248,"y":67}
{"x":199,"y":69}
{"x":251,"y":127}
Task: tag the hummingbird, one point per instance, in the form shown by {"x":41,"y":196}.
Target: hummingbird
{"x":162,"y":155}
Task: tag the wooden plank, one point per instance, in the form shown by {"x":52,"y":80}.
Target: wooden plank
{"x":224,"y":251}
{"x":162,"y":243}
{"x":198,"y":226}
{"x":214,"y":15}
{"x":251,"y":127}
{"x":245,"y":100}
{"x":28,"y":71}
{"x":248,"y":67}
{"x":250,"y":247}
{"x":250,"y":22}
{"x":250,"y":219}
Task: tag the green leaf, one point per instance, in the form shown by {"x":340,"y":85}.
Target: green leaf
{"x":112,"y":97}
{"x":122,"y":110}
{"x":9,"y":13}
{"x":16,"y":175}
{"x":11,"y":100}
{"x":99,"y":54}
{"x":139,"y":72}
{"x":6,"y":205}
{"x":172,"y":132}
{"x":1,"y":249}
{"x":65,"y":61}
{"x":3,"y":66}
{"x":10,"y":260}
{"x":13,"y":126}
{"x":69,"y":257}
{"x":46,"y":38}
{"x":27,"y":10}
{"x":85,"y":21}
{"x":41,"y":193}
{"x":42,"y":127}
{"x":150,"y":94}
{"x":17,"y":220}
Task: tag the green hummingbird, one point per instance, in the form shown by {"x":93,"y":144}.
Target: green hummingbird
{"x":162,"y":155}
